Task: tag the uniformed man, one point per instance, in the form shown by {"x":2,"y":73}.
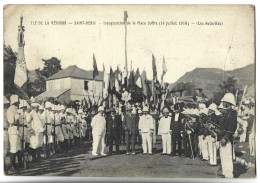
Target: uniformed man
{"x":81,"y":120}
{"x":213,"y":124}
{"x":130,"y":128}
{"x":203,"y":132}
{"x":177,"y":126}
{"x":122,"y":136}
{"x":6,"y":137}
{"x":43,"y":119}
{"x":76,"y":130}
{"x":146,"y":128}
{"x":139,"y":137}
{"x":24,"y":121}
{"x":165,"y":131}
{"x":155,"y":115}
{"x":36,"y":132}
{"x":13,"y":131}
{"x":113,"y":130}
{"x":98,"y":125}
{"x":69,"y":128}
{"x":57,"y":122}
{"x":49,"y":129}
{"x":84,"y":127}
{"x":228,"y":126}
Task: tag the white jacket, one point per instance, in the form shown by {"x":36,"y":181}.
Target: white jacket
{"x":146,"y":123}
{"x":98,"y":124}
{"x":37,"y":124}
{"x":12,"y":118}
{"x":164,"y":125}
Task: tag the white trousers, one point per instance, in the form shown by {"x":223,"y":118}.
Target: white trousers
{"x":154,"y":133}
{"x":6,"y":142}
{"x":147,"y":142}
{"x":252,"y":144}
{"x":226,"y":160}
{"x":36,"y":140}
{"x":15,"y":143}
{"x":204,"y":148}
{"x":212,"y":148}
{"x":199,"y":143}
{"x":166,"y":142}
{"x":98,"y":145}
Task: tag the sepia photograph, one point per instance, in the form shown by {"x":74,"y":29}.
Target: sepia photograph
{"x":129,"y":91}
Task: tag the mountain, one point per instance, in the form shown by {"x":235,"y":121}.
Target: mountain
{"x":209,"y":79}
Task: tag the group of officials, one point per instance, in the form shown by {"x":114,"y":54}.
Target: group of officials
{"x":186,"y":130}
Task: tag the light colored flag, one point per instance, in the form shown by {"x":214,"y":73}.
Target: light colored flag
{"x":117,"y":85}
{"x":164,"y":68}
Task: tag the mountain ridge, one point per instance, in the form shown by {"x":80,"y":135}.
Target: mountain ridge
{"x":209,"y":79}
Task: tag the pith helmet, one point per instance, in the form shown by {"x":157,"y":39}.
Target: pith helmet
{"x":230,"y":98}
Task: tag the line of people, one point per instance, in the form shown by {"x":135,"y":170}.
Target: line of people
{"x":35,"y":128}
{"x":186,"y":130}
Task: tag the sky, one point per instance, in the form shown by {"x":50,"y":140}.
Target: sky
{"x":185,"y":47}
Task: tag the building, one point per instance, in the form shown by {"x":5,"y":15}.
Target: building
{"x":72,"y":84}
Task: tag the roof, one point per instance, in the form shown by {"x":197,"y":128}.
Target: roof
{"x":51,"y":93}
{"x":74,"y":72}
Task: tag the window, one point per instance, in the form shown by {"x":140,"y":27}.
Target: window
{"x":85,"y":85}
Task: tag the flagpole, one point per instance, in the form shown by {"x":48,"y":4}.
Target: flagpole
{"x":153,"y":91}
{"x":125,"y":20}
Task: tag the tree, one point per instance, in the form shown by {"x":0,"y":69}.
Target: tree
{"x":228,"y":86}
{"x":51,"y":66}
{"x":37,"y":85}
{"x":9,"y":68}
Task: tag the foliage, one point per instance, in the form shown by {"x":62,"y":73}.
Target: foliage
{"x":228,"y":86}
{"x":51,"y":66}
{"x":9,"y":68}
{"x":36,"y":78}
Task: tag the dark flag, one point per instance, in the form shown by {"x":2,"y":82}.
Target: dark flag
{"x":111,"y":81}
{"x":131,"y":82}
{"x":154,"y":69}
{"x":95,"y":69}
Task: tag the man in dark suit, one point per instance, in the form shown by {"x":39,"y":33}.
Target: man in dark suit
{"x":176,"y":126}
{"x":130,"y":127}
{"x":113,"y":130}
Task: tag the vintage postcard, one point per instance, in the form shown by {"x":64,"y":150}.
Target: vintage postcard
{"x":133,"y":91}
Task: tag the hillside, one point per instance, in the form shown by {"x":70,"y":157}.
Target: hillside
{"x":209,"y":78}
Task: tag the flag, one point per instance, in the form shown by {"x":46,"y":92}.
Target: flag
{"x":90,"y":102}
{"x":105,"y":83}
{"x":117,"y":84}
{"x":95,"y":69}
{"x":144,"y":83}
{"x":111,"y":81}
{"x":138,"y":80}
{"x":125,"y":16}
{"x":131,"y":82}
{"x":164,"y":68}
{"x":93,"y":100}
{"x":154,"y":69}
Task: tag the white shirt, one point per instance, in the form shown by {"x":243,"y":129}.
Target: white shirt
{"x":164,"y":125}
{"x":176,"y":117}
{"x":12,"y":117}
{"x":146,"y":123}
{"x":98,"y":124}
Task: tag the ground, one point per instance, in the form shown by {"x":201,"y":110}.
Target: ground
{"x":79,"y":162}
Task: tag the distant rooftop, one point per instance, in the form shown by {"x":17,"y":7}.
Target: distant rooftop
{"x":74,"y":72}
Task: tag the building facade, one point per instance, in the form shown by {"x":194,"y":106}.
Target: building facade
{"x":72,"y":84}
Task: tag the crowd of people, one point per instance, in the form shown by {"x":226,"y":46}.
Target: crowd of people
{"x":187,"y":130}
